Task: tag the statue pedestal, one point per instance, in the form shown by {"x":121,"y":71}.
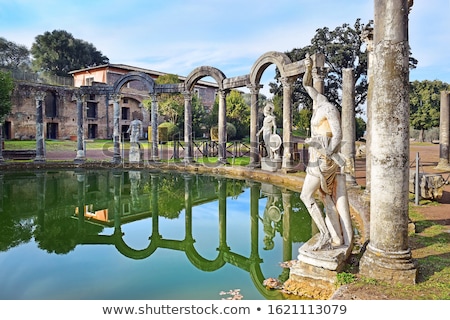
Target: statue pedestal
{"x":271,"y":165}
{"x":135,"y":153}
{"x":321,"y":264}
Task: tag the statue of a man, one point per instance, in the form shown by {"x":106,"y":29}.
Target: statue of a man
{"x":324,"y":161}
{"x":135,"y":130}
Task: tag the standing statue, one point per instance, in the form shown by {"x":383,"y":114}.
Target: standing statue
{"x":135,"y":130}
{"x":324,"y":161}
{"x":272,"y":141}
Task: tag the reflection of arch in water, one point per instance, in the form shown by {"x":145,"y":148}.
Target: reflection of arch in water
{"x":251,"y":264}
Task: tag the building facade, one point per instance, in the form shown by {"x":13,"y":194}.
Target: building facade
{"x":60,"y":104}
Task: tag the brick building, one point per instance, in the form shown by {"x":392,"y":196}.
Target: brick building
{"x":59,"y":104}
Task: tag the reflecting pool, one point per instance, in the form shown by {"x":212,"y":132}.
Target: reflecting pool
{"x":123,"y":234}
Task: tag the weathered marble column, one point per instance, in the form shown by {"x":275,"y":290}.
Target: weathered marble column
{"x":222,"y":123}
{"x":40,"y":138}
{"x":188,"y":140}
{"x":117,"y":158}
{"x":444,"y":131}
{"x":348,"y":124}
{"x":388,"y":256}
{"x":81,"y":153}
{"x":154,"y":123}
{"x":367,"y":36}
{"x":254,"y":145}
{"x":288,"y":151}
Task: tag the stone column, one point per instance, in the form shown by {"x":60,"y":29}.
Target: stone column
{"x":117,"y":158}
{"x":368,"y":38}
{"x":222,"y":124}
{"x":154,"y":123}
{"x":388,"y":256}
{"x":254,"y":145}
{"x":444,"y":131}
{"x":288,"y":151}
{"x":40,"y":138}
{"x":348,"y":124}
{"x":81,"y":153}
{"x":188,"y":156}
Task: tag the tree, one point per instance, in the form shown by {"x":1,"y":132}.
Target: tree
{"x":6,"y":88}
{"x":360,"y":127}
{"x":343,"y":48}
{"x":424,"y":99}
{"x":58,"y":52}
{"x":170,"y":105}
{"x":13,"y":56}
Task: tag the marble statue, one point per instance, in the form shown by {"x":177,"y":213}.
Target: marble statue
{"x":325,"y":160}
{"x":268,"y":129}
{"x":135,"y":130}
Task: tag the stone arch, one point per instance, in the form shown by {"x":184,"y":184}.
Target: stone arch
{"x":201,"y":72}
{"x":272,"y":57}
{"x":135,"y":76}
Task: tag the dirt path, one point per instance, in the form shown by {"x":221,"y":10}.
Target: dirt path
{"x":428,"y":160}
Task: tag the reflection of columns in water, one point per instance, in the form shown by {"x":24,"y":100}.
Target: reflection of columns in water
{"x":81,"y":153}
{"x":288,"y":151}
{"x":154,"y":123}
{"x":287,"y":237}
{"x":117,"y":203}
{"x":222,"y":197}
{"x":81,"y":177}
{"x":40,"y":198}
{"x":154,"y":206}
{"x":40,"y":139}
{"x":254,"y":147}
{"x":188,"y":126}
{"x":222,"y":124}
{"x":255,"y":189}
{"x":117,"y":158}
{"x":188,"y":207}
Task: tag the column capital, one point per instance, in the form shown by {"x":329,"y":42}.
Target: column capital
{"x":223,"y":92}
{"x":319,"y":73}
{"x":287,"y":81}
{"x":367,"y":37}
{"x":40,"y":95}
{"x":115,"y":97}
{"x":254,"y":88}
{"x":79,"y":95}
{"x":187,"y":95}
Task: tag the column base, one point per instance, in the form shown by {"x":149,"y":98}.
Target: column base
{"x":443,"y":164}
{"x":39,"y":159}
{"x":392,"y":267}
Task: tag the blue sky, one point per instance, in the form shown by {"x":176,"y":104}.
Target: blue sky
{"x":176,"y":36}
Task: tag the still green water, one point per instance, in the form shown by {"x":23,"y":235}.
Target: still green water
{"x":117,"y":234}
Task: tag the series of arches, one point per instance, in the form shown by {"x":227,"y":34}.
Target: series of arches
{"x":289,"y":71}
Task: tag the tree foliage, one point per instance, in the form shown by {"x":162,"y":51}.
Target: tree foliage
{"x":238,"y":113}
{"x":13,"y":56}
{"x":170,"y":105}
{"x":58,"y":52}
{"x":343,"y":48}
{"x":424,"y":99}
{"x":6,"y":88}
